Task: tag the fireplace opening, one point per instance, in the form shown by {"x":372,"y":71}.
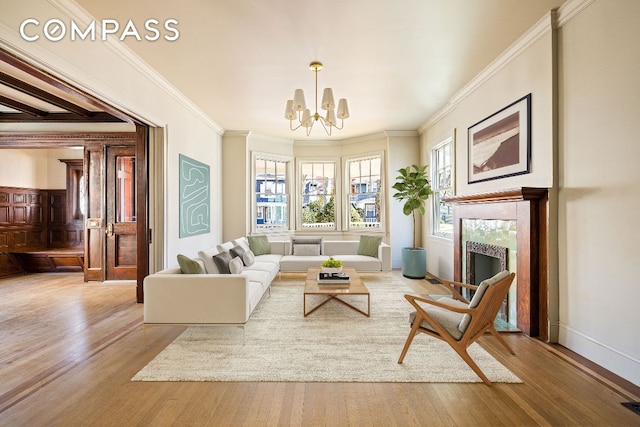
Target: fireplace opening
{"x":483,"y":262}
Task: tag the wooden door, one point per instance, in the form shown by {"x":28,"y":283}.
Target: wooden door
{"x":120,"y":227}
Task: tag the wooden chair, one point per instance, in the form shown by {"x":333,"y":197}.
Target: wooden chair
{"x":459,"y":322}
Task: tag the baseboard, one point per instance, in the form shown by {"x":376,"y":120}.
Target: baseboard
{"x":621,"y":364}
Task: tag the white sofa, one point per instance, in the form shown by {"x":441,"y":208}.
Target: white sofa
{"x":173,"y":297}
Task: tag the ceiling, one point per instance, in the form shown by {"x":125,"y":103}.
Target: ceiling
{"x":28,"y":95}
{"x":397,"y":62}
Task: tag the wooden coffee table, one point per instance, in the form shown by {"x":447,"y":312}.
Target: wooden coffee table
{"x":333,"y":291}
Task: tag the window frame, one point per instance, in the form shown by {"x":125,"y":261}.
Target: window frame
{"x":287,"y":191}
{"x":346,"y":196}
{"x":335,"y":161}
{"x":435,"y":167}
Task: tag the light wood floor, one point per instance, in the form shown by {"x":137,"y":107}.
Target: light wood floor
{"x":69,"y":349}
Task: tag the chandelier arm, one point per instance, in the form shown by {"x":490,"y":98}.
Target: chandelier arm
{"x":291,"y":125}
{"x":324,"y":125}
{"x":341,"y":125}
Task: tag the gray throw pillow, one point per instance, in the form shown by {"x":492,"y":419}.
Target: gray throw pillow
{"x":369,"y":245}
{"x":222,"y":261}
{"x":237,"y":251}
{"x":189,"y":266}
{"x":259,"y":245}
{"x":235,"y":265}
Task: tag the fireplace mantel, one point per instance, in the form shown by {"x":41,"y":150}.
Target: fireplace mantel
{"x":510,"y":195}
{"x":529,"y":208}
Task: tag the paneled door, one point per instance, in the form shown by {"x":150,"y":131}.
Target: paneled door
{"x":120,"y":226}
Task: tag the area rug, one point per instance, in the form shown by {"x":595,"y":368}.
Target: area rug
{"x":333,"y":344}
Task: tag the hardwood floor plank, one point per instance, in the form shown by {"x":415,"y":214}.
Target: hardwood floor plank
{"x":69,"y":350}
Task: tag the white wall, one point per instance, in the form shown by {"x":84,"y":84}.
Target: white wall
{"x":35,"y":168}
{"x":525,"y":68}
{"x":113,"y":73}
{"x":599,"y":194}
{"x":403,"y":151}
{"x":597,"y":179}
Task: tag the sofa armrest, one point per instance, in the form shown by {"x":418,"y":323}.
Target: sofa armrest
{"x":384,"y":255}
{"x":196,"y":298}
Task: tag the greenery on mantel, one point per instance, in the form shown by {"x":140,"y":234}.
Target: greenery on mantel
{"x":413,"y":188}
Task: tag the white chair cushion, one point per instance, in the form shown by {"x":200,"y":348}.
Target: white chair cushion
{"x":477,"y":297}
{"x":448,"y":319}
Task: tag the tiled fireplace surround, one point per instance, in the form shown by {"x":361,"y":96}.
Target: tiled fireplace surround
{"x":497,"y":216}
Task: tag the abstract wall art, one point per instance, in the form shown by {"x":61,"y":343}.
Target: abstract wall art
{"x":195,"y":197}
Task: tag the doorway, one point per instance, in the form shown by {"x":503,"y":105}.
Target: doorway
{"x":120,"y":232}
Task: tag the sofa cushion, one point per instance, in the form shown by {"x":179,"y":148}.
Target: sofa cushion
{"x":301,"y":263}
{"x":222,"y":261}
{"x":242,"y":242}
{"x":306,"y":250}
{"x":236,"y":265}
{"x":189,"y":266}
{"x":259,"y":245}
{"x":258,"y":276}
{"x":360,"y":262}
{"x":448,"y":319}
{"x":307,"y":241}
{"x":270,"y":267}
{"x":274,"y":258}
{"x":369,"y":245}
{"x":206,"y":255}
{"x":477,"y":297}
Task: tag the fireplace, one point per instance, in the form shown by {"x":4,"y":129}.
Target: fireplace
{"x":484,"y":261}
{"x":520,"y":218}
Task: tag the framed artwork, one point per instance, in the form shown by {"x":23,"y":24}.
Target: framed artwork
{"x":500,"y":145}
{"x":195,"y":196}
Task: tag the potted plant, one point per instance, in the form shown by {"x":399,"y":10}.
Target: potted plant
{"x":331,"y":266}
{"x":413,"y":188}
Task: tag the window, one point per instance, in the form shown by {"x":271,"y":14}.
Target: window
{"x":271,"y":194}
{"x":365,"y":185}
{"x":318,"y":188}
{"x":442,"y":186}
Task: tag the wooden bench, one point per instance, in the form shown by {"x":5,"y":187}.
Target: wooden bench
{"x":51,"y":260}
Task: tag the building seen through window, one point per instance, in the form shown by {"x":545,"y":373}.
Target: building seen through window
{"x":272,"y":199}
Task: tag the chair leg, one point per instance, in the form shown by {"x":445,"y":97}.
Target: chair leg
{"x":465,"y":356}
{"x":412,"y":333}
{"x":501,"y":340}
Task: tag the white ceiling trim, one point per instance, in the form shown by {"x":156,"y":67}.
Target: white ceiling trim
{"x":571,"y":9}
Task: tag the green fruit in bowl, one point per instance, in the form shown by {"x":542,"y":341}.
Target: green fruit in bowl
{"x":332,"y":263}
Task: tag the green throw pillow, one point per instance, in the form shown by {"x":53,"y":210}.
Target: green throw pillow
{"x":259,"y":245}
{"x":369,"y":246}
{"x":189,"y":266}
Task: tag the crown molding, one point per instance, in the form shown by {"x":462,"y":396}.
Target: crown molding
{"x":236,"y":133}
{"x":270,"y":139}
{"x":537,"y":31}
{"x":571,"y":9}
{"x":401,"y":133}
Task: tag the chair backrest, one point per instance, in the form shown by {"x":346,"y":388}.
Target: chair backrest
{"x":489,"y":305}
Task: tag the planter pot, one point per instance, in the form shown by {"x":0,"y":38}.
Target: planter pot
{"x":414,"y":263}
{"x":331,"y":269}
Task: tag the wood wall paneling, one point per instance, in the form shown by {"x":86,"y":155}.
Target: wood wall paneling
{"x":32,"y":226}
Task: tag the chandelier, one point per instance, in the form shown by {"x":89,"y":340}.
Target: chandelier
{"x":297,"y":109}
